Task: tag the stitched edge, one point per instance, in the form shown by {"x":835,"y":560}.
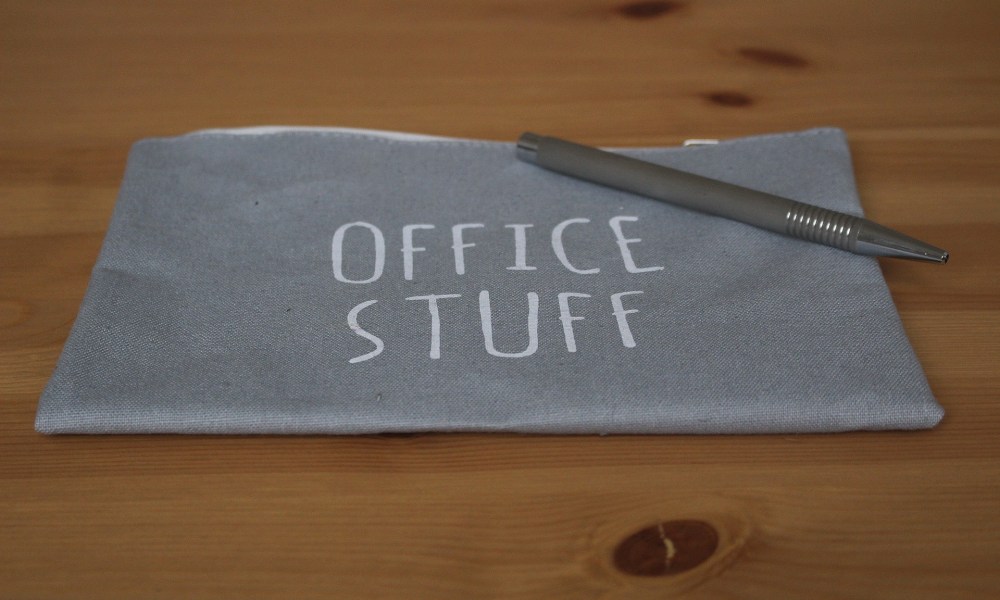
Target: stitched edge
{"x":194,"y":136}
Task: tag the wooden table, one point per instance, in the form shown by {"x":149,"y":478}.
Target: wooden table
{"x":916,"y":85}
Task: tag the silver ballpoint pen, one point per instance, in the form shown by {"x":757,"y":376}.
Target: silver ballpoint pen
{"x":760,"y":209}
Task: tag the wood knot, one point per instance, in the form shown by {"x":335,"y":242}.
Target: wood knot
{"x":777,"y":58}
{"x":732,"y":99}
{"x":647,"y":9}
{"x":666,"y":548}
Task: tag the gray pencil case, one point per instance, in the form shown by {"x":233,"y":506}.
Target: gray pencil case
{"x":330,"y":281}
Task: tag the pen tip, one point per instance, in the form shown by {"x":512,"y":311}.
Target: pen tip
{"x":876,"y":240}
{"x":927,"y":253}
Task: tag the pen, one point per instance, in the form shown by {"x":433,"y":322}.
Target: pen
{"x":760,"y":209}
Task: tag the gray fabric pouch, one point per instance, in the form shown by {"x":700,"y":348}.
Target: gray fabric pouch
{"x":330,"y":281}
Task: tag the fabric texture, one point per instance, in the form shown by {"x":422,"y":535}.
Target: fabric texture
{"x":345,"y":283}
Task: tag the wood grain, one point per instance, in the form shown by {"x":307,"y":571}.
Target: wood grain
{"x":888,"y":515}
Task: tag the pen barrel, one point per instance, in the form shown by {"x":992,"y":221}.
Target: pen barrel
{"x":659,"y":182}
{"x":692,"y":191}
{"x":822,"y":226}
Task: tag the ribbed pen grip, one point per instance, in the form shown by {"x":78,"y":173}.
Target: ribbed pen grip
{"x":823,"y":226}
